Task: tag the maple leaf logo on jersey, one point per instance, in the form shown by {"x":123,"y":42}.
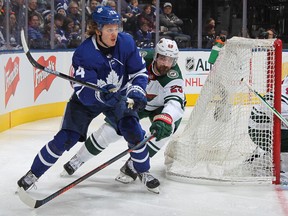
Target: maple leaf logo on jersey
{"x":150,"y":97}
{"x":112,"y":78}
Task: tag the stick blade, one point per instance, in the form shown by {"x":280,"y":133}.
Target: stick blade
{"x":25,"y":198}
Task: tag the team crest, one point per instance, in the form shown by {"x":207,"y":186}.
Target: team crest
{"x":190,"y":61}
{"x":173,"y":74}
{"x":143,"y":53}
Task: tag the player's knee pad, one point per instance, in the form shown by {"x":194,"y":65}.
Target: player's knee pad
{"x":63,"y":140}
{"x":131,"y":130}
{"x":105,"y":135}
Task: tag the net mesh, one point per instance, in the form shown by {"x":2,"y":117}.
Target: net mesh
{"x":216,"y":143}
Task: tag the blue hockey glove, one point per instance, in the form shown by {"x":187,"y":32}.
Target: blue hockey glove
{"x":162,"y":126}
{"x":111,"y":97}
{"x":138,"y":95}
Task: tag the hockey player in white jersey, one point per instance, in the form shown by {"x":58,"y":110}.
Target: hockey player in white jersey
{"x":260,"y":122}
{"x":165,"y":108}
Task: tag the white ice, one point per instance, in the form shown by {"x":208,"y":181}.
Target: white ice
{"x":102,"y":195}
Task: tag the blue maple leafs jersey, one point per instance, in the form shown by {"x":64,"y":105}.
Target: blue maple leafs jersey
{"x":123,"y":67}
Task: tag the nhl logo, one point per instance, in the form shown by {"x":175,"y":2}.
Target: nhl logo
{"x":189,"y":63}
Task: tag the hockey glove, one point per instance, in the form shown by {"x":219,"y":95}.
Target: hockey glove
{"x":138,"y":95}
{"x":162,"y":125}
{"x":111,"y":97}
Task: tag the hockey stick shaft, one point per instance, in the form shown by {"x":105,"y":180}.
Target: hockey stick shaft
{"x":267,"y":104}
{"x":56,"y":73}
{"x":33,"y":203}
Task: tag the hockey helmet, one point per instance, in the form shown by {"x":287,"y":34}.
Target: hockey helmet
{"x":167,"y":47}
{"x":103,"y":15}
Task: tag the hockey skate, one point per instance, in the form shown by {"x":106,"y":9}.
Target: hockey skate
{"x":127,"y":173}
{"x":151,"y":183}
{"x":71,"y":166}
{"x":27,"y":181}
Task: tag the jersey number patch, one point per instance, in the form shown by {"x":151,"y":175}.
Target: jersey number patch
{"x":80,"y":72}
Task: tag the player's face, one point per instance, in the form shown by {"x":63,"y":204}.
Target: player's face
{"x":109,"y":34}
{"x":163,"y":64}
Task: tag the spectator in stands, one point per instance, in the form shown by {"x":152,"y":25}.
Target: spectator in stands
{"x":60,"y":9}
{"x":32,"y":9}
{"x":131,"y":13}
{"x":124,"y":5}
{"x":92,"y":4}
{"x":14,"y":32}
{"x":2,"y":40}
{"x":73,"y":13}
{"x":133,"y":7}
{"x":18,"y":7}
{"x":2,"y":13}
{"x":73,"y":36}
{"x":43,"y":5}
{"x":63,"y":3}
{"x":153,"y":8}
{"x":271,"y":33}
{"x":112,"y":4}
{"x":59,"y":32}
{"x":146,"y":16}
{"x":13,"y":42}
{"x":35,"y":36}
{"x":143,"y":37}
{"x":172,"y":25}
{"x":209,"y":34}
{"x":47,"y":16}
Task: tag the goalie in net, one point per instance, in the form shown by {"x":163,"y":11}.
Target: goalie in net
{"x":259,"y":124}
{"x":215,"y":145}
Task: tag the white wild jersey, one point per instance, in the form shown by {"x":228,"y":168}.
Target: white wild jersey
{"x":261,"y":115}
{"x":166,"y":90}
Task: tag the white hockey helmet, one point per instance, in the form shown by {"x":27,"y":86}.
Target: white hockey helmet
{"x":167,"y":47}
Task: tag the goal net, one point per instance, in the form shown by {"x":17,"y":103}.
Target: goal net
{"x":219,"y":142}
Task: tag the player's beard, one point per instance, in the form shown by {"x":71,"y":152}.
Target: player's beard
{"x":162,"y":70}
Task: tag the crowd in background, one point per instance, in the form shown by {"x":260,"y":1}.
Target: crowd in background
{"x":67,"y":32}
{"x":69,"y":17}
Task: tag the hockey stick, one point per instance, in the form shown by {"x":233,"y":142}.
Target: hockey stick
{"x":33,"y":203}
{"x":61,"y":75}
{"x":48,"y":70}
{"x":266,"y":103}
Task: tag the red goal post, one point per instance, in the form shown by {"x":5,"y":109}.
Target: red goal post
{"x":218,"y":144}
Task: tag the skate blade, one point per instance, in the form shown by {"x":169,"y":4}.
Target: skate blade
{"x":64,"y":174}
{"x":125,"y":179}
{"x":154,"y":190}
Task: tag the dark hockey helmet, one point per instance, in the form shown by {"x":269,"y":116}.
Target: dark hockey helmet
{"x":104,"y":15}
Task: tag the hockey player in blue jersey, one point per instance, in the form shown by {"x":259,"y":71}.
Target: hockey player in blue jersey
{"x":111,"y":60}
{"x":165,"y":108}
